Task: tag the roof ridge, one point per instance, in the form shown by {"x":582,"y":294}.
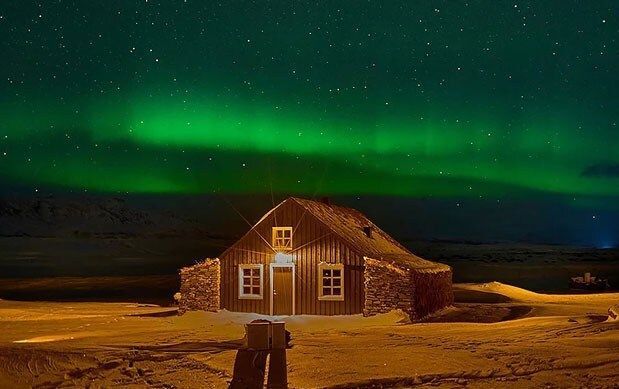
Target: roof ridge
{"x":347,"y":224}
{"x":357,"y":212}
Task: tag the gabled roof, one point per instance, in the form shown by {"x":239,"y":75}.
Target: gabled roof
{"x":348,"y":224}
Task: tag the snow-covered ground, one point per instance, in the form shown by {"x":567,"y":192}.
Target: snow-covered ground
{"x":501,"y":336}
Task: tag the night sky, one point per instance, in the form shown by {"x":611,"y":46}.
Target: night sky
{"x":485,"y":101}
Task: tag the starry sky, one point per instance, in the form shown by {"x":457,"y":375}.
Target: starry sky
{"x":474,"y":100}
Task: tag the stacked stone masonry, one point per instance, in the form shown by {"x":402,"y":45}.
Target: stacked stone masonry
{"x":417,"y":293}
{"x":200,"y":289}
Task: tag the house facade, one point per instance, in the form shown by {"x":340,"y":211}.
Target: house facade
{"x":308,"y":257}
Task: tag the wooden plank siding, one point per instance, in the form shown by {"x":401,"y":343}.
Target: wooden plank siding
{"x":313,"y":243}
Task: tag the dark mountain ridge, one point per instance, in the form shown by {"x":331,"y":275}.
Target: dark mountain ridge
{"x":89,"y":217}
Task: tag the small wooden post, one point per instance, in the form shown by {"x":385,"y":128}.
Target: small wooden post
{"x":278,"y":335}
{"x":258,"y":335}
{"x":249,"y":369}
{"x":263,"y":338}
{"x":278,"y":372}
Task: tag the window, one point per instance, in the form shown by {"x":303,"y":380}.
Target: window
{"x":250,"y":282}
{"x":282,"y":238}
{"x":331,"y":281}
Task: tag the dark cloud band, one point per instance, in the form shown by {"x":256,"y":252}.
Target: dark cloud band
{"x":602,"y":171}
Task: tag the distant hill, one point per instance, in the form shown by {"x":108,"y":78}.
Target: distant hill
{"x":90,"y":217}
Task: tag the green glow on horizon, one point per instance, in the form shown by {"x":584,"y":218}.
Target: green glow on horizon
{"x":389,"y":156}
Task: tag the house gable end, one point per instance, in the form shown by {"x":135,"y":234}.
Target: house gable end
{"x":254,"y":231}
{"x":287,"y":213}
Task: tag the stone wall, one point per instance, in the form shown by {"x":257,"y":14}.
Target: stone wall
{"x":200,"y":287}
{"x":387,"y":287}
{"x":416,"y":292}
{"x":433,"y":291}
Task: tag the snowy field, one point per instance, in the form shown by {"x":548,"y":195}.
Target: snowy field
{"x":498,"y":335}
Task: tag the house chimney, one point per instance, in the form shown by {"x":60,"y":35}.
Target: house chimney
{"x":368,"y":231}
{"x":325,"y":200}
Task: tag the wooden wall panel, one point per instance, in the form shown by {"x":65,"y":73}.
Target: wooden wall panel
{"x":312,"y":243}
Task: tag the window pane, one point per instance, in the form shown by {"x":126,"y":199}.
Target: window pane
{"x":326,"y":282}
{"x":337,"y":273}
{"x":246,"y":272}
{"x":255,"y":272}
{"x":246,"y":281}
{"x":326,"y":272}
{"x":246,"y":290}
{"x":255,"y":281}
{"x":282,"y":237}
{"x":256,"y":290}
{"x":337,"y":282}
{"x":337,"y":291}
{"x":326,"y":291}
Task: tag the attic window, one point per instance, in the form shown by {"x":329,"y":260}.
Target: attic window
{"x":331,"y":281}
{"x":250,"y":281}
{"x":282,"y":238}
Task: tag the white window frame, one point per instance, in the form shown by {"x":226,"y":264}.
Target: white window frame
{"x":330,"y":266}
{"x":250,"y":296}
{"x":275,"y":240}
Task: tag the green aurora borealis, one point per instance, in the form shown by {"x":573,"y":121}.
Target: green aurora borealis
{"x":479,"y":99}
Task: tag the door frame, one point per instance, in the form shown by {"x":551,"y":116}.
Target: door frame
{"x":271,"y":267}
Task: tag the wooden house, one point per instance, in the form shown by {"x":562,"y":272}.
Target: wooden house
{"x":315,"y":258}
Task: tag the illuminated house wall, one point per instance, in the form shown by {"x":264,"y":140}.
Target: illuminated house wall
{"x":326,"y":236}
